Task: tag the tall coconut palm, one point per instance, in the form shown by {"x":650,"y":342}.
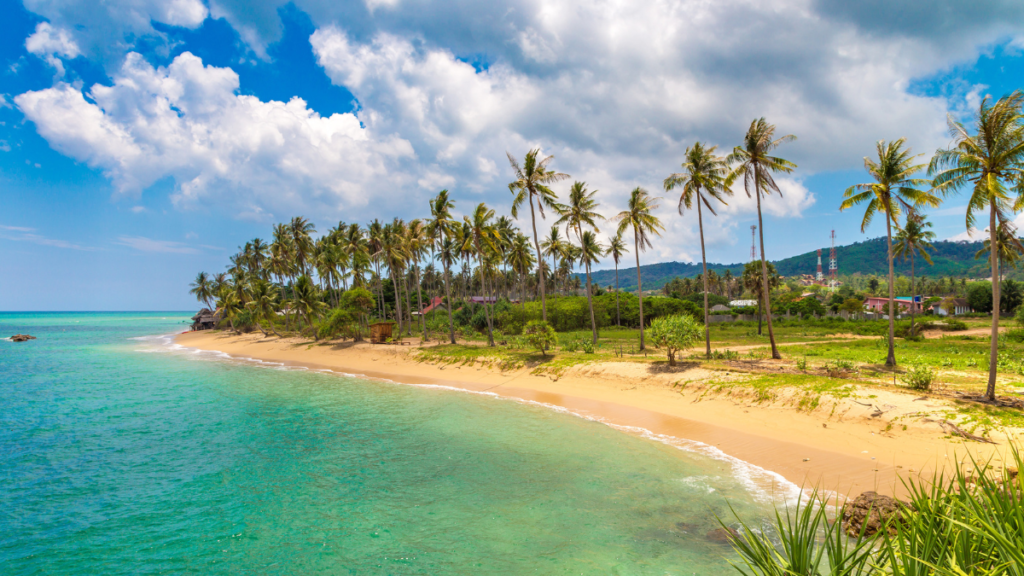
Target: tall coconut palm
{"x":307,"y":302}
{"x":553,"y":246}
{"x":264,"y":305}
{"x":638,"y":216}
{"x":522,"y":260}
{"x":617,"y":248}
{"x":990,"y":163}
{"x":229,"y":306}
{"x":756,"y":166}
{"x":442,"y":228}
{"x":1008,"y":247}
{"x":417,"y":242}
{"x":893,"y":192}
{"x":915,"y":237}
{"x":580,"y":214}
{"x":531,"y":184}
{"x":202,"y":288}
{"x":392,"y":253}
{"x":702,"y":180}
{"x":481,"y":235}
{"x":591,"y":251}
{"x":301,"y":231}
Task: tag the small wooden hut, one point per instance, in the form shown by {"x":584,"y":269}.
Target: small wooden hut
{"x":206,"y":319}
{"x":380,"y":332}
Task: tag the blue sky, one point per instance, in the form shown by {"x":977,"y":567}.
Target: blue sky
{"x":142,"y":141}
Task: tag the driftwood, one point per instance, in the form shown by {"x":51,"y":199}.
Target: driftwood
{"x":1001,"y":401}
{"x":951,"y":428}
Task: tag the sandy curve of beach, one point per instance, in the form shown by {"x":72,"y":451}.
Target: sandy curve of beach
{"x":844,"y":445}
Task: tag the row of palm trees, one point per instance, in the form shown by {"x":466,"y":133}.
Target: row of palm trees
{"x":988,"y":161}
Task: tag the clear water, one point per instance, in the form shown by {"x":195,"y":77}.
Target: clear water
{"x":122,"y":453}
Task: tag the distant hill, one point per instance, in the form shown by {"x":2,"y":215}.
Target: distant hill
{"x":867,"y":257}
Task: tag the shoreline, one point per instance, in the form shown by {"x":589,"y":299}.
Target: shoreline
{"x":847,"y":449}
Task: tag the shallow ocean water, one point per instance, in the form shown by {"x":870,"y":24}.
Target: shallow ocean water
{"x":123,"y":453}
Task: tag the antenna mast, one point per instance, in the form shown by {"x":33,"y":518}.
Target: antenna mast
{"x":819,"y":277}
{"x":833,"y":266}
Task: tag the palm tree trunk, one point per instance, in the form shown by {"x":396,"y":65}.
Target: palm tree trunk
{"x":408,"y":305}
{"x":764,"y":274}
{"x":483,"y":289}
{"x":704,"y":262}
{"x":448,"y":303}
{"x":540,"y":268}
{"x":617,"y":320}
{"x":639,"y":285}
{"x":419,"y":301}
{"x":913,"y":295}
{"x":890,"y":360}
{"x":990,"y":391}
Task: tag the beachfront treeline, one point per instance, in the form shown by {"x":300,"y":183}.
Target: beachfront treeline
{"x":487,"y":256}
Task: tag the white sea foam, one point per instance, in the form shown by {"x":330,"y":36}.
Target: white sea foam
{"x":763,"y":485}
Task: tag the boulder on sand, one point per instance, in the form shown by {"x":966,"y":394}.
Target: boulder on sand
{"x":873,"y":512}
{"x":22,"y":338}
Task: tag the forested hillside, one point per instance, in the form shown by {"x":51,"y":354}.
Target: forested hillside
{"x":868,"y":257}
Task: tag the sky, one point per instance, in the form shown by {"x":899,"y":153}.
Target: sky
{"x":143,"y":141}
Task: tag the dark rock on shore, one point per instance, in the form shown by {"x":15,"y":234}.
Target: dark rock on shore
{"x":873,"y":512}
{"x":22,"y":338}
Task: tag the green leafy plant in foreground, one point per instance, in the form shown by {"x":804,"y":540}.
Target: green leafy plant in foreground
{"x":918,"y":378}
{"x":969,"y":524}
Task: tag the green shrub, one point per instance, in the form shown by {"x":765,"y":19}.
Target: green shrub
{"x":918,"y":378}
{"x":540,"y":335}
{"x":952,"y":325}
{"x":340,"y":324}
{"x":675,"y":333}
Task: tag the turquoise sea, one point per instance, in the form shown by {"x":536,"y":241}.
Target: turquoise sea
{"x":122,"y":453}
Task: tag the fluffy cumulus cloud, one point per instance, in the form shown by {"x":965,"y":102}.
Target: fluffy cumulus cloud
{"x":105,"y":30}
{"x":188,"y":122}
{"x":615,"y":89}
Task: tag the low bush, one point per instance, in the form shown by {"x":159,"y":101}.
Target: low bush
{"x":540,"y":335}
{"x":675,"y":333}
{"x":918,"y":378}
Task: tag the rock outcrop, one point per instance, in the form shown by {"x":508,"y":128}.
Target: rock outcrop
{"x":873,"y":512}
{"x":22,"y":338}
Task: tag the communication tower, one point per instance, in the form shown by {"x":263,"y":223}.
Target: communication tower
{"x":819,"y":276}
{"x":833,"y":266}
{"x":753,"y":242}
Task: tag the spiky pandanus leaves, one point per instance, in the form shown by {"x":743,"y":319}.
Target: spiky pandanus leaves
{"x":702,"y":180}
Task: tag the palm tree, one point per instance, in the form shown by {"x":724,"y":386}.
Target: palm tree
{"x":590,"y":253}
{"x":416,"y":242}
{"x":301,"y":231}
{"x":264,"y":304}
{"x":580,"y":211}
{"x":441,"y":227}
{"x":553,"y":246}
{"x":914,"y":237}
{"x":989,"y":162}
{"x":482,"y":235}
{"x":229,"y":306}
{"x":617,"y":248}
{"x":892,"y":193}
{"x":522,"y":260}
{"x":307,"y":301}
{"x":644,"y":224}
{"x":1008,"y":246}
{"x":202,"y":288}
{"x":753,"y":282}
{"x":702,"y":179}
{"x":757,"y":166}
{"x":531,"y":182}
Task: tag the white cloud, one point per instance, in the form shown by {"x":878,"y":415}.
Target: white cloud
{"x":108,"y":29}
{"x":24,"y":234}
{"x":186,"y":121}
{"x":143,"y":244}
{"x":980,"y":235}
{"x":138,"y":209}
{"x":48,"y":40}
{"x":4,"y":146}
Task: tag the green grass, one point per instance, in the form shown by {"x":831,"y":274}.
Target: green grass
{"x":809,"y":389}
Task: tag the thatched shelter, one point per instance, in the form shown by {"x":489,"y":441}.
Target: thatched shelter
{"x":206,"y":319}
